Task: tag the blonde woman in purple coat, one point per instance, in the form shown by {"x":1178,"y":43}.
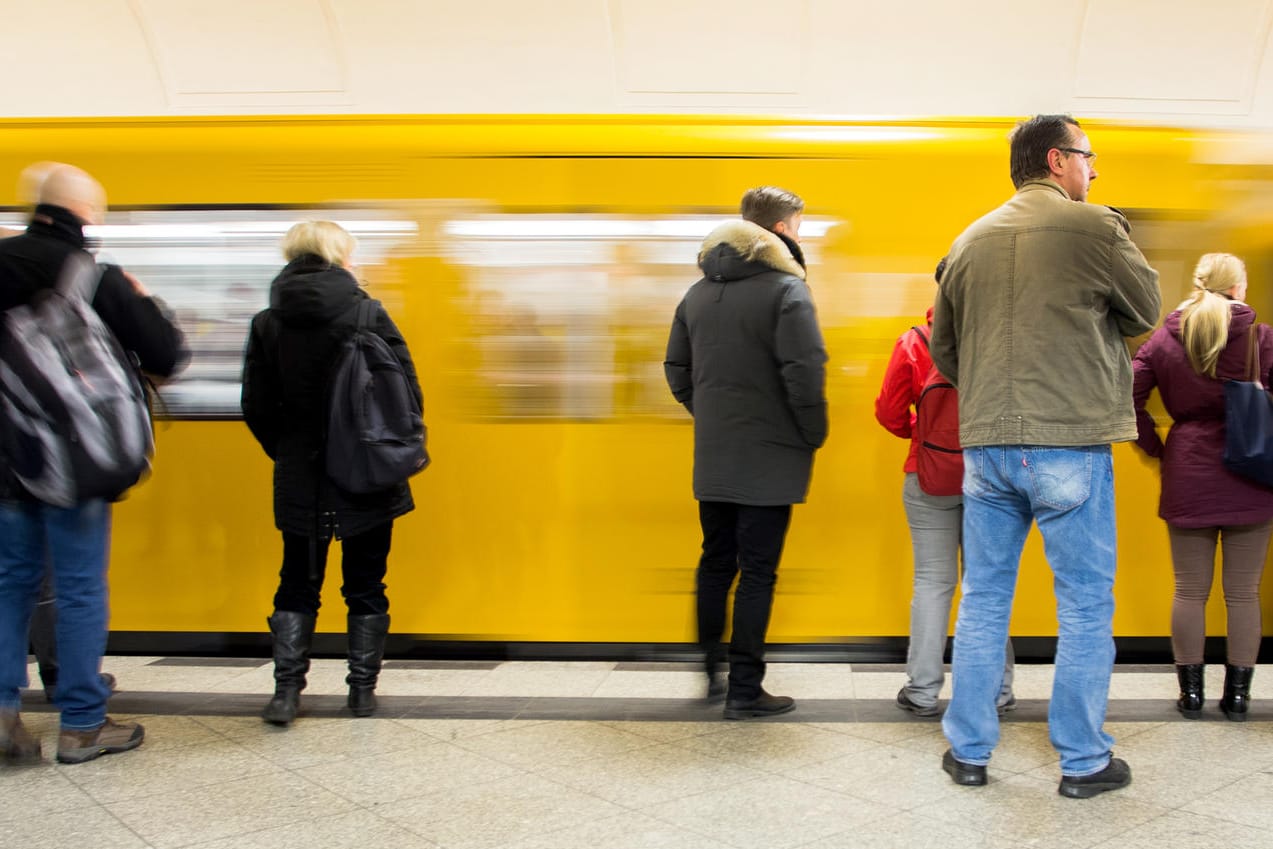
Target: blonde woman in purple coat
{"x":1200,"y":346}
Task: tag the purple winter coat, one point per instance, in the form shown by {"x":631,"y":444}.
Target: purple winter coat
{"x":1197,"y":490}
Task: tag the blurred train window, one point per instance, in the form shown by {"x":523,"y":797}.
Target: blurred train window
{"x":213,"y":267}
{"x":570,"y":312}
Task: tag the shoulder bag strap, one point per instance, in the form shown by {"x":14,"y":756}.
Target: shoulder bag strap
{"x":1253,"y":355}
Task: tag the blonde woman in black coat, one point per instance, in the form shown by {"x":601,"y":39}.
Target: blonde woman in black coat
{"x":313,"y":306}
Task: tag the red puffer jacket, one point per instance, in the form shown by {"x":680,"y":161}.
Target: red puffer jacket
{"x":1197,"y":490}
{"x":903,"y":380}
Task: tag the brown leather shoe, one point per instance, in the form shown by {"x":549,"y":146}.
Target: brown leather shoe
{"x":76,"y":747}
{"x":17,"y":744}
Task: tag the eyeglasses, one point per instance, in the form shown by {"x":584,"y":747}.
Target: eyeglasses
{"x":1086,"y":154}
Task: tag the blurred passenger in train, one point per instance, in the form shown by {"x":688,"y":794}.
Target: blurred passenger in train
{"x":1200,"y":345}
{"x":290,"y":352}
{"x":936,"y":521}
{"x":72,"y":542}
{"x":43,"y":635}
{"x":745,"y":356}
{"x":1029,"y":324}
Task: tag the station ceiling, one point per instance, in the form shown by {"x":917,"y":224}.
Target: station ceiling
{"x":1167,"y":61}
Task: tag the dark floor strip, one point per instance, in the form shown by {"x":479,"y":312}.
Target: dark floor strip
{"x":245,"y":662}
{"x":442,"y":664}
{"x":590,"y":709}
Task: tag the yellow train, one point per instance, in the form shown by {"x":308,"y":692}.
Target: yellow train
{"x":534,"y":263}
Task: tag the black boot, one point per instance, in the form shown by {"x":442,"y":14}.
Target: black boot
{"x":293,"y":633}
{"x":1190,"y":701}
{"x":1237,"y":692}
{"x":366,"y":649}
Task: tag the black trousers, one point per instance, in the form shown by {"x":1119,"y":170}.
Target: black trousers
{"x":739,"y":539}
{"x":363,"y":562}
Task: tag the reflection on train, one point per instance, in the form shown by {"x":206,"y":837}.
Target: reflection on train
{"x":533,"y":264}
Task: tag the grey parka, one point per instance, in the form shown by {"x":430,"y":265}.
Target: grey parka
{"x":746,"y":358}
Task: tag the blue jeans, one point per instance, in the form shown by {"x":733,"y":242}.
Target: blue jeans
{"x":73,"y":543}
{"x":1070,"y":493}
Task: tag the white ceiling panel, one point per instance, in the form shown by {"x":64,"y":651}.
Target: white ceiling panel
{"x":711,"y":46}
{"x":271,"y":51}
{"x":1171,"y":51}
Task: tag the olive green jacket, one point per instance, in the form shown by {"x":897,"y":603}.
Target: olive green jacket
{"x":1030,"y":318}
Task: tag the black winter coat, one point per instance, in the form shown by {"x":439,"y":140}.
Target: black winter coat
{"x":746,"y":358}
{"x":290,"y":355}
{"x":142,"y":324}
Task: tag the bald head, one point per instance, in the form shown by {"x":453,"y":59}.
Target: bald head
{"x":31,"y":181}
{"x":75,"y":190}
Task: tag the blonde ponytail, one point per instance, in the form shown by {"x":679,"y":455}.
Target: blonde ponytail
{"x":1205,"y":316}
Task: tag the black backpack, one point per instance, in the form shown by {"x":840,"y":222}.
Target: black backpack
{"x":375,"y":422}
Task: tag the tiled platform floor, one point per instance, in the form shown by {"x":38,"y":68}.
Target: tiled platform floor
{"x":599,"y":755}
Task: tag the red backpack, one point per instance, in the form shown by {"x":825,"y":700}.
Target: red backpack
{"x":940,"y":456}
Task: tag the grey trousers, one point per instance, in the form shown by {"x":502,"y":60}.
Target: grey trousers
{"x":936,"y":523}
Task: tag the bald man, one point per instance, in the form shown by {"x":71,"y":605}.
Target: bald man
{"x":73,"y":542}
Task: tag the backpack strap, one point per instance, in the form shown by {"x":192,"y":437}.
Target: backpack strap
{"x":366,"y":314}
{"x":79,"y":278}
{"x":921,"y":333}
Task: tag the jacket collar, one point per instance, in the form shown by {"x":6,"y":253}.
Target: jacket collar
{"x":738,"y":249}
{"x":1042,"y":185}
{"x":58,"y":223}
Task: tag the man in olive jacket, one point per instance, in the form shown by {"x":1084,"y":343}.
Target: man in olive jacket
{"x":746,"y":358}
{"x":1029,"y":324}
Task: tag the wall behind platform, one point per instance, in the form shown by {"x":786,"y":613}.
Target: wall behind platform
{"x":1169,"y":61}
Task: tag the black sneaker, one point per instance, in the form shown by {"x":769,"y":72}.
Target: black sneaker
{"x":1117,"y":774}
{"x":762,"y":705}
{"x":904,"y":702}
{"x":1004,"y":707}
{"x":969,"y":775}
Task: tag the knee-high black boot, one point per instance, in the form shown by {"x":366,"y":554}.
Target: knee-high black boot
{"x":1190,"y":677}
{"x":293,"y":633}
{"x":366,"y":650}
{"x":1237,"y":692}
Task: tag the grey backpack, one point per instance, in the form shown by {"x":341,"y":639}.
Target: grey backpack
{"x":74,"y":418}
{"x":375,"y":424}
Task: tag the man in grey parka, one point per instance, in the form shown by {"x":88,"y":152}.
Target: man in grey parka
{"x":746,"y":358}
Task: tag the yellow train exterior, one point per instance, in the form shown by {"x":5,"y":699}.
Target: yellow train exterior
{"x":534,"y":263}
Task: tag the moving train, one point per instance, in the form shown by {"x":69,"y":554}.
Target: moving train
{"x":533,"y":263}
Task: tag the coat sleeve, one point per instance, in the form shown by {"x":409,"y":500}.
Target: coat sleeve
{"x":894,"y":406}
{"x":678,"y":362}
{"x":141,"y":323}
{"x":262,"y":395}
{"x":388,"y":331}
{"x":1135,"y":299}
{"x":943,"y":341}
{"x":1143,"y":382}
{"x":802,"y":358}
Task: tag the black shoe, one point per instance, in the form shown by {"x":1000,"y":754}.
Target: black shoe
{"x":1237,"y":692}
{"x":969,"y":775}
{"x":282,"y":709}
{"x":716,"y":689}
{"x":1010,"y":704}
{"x":1116,"y":775}
{"x":762,"y":705}
{"x":904,"y":702}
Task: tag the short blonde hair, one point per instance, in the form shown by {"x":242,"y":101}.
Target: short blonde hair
{"x":1204,"y":317}
{"x":324,"y":239}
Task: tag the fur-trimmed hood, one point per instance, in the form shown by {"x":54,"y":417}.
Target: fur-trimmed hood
{"x":739,"y":249}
